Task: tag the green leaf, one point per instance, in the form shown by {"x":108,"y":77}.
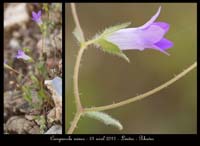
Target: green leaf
{"x":41,"y":68}
{"x":9,"y":67}
{"x":111,"y":48}
{"x":30,"y":60}
{"x":105,"y":118}
{"x":45,"y":7}
{"x":34,"y":79}
{"x":41,"y":94}
{"x":27,"y":93}
{"x":78,"y":35}
{"x":112,"y":29}
{"x":27,"y":50}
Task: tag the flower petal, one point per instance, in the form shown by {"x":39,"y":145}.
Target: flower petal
{"x":34,"y":15}
{"x":153,"y":34}
{"x":148,"y":23}
{"x":148,"y":36}
{"x":126,"y":39}
{"x":20,"y":52}
{"x":164,"y":44}
{"x":22,"y":55}
{"x":134,"y":38}
{"x":25,"y":57}
{"x":163,"y":25}
{"x":39,"y":13}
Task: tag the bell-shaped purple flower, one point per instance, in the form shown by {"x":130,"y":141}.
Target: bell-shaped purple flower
{"x":37,"y":17}
{"x":149,"y":35}
{"x":22,"y":55}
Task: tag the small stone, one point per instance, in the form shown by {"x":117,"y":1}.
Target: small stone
{"x":55,"y":86}
{"x":30,"y":117}
{"x":15,"y":14}
{"x":14,"y":43}
{"x":56,"y":129}
{"x":20,"y":125}
{"x":51,"y":116}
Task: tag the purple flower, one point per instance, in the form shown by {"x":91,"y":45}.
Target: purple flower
{"x":37,"y":17}
{"x":22,"y":55}
{"x":149,"y":35}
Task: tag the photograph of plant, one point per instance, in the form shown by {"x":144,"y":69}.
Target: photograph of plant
{"x":32,"y":68}
{"x":131,"y":68}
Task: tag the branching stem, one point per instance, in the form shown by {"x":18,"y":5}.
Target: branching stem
{"x":80,"y":110}
{"x":142,"y":96}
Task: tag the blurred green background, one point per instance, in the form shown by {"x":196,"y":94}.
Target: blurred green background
{"x":105,"y":78}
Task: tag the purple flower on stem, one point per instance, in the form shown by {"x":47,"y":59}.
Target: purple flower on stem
{"x":22,"y":55}
{"x":37,"y":17}
{"x":149,"y":35}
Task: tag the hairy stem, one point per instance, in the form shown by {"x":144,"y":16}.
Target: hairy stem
{"x":76,"y":20}
{"x":76,"y":72}
{"x":142,"y":96}
{"x":78,"y":59}
{"x":79,"y":109}
{"x":74,"y":122}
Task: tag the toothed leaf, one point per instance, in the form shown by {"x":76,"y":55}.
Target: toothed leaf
{"x":112,"y":29}
{"x":111,"y":48}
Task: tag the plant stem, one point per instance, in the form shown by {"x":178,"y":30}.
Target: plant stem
{"x":78,"y":59}
{"x":79,"y":109}
{"x":74,"y":122}
{"x":9,"y":67}
{"x":44,"y":49}
{"x":76,"y":72}
{"x":76,"y":20}
{"x":142,"y":96}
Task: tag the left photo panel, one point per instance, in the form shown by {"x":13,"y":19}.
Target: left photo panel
{"x":32,"y":68}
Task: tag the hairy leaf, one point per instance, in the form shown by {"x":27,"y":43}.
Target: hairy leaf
{"x":111,"y":48}
{"x":105,"y":118}
{"x":112,"y":29}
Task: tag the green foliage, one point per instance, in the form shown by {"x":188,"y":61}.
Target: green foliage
{"x":105,"y":118}
{"x":42,"y":122}
{"x":45,"y":7}
{"x":34,"y":80}
{"x":41,"y":68}
{"x":51,"y":25}
{"x":106,"y":45}
{"x":27,"y":50}
{"x":44,"y":28}
{"x":112,"y":29}
{"x":19,"y":78}
{"x":27,"y":93}
{"x":57,"y":6}
{"x":111,"y":48}
{"x":41,"y":94}
{"x":7,"y":66}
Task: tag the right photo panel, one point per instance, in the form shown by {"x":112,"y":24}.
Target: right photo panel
{"x":131,"y":68}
